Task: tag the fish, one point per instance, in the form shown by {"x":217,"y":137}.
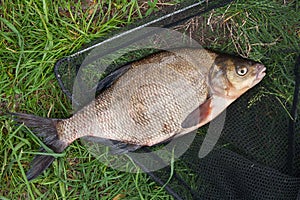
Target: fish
{"x":150,"y":101}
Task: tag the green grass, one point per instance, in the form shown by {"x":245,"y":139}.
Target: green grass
{"x":34,"y":34}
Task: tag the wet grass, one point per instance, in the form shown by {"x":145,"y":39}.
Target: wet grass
{"x":33,"y":35}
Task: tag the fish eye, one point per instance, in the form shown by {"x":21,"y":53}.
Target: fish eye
{"x":241,"y":71}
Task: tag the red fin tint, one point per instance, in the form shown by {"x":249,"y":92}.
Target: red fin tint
{"x":205,"y":111}
{"x":199,"y":116}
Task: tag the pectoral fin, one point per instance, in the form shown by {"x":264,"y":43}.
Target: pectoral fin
{"x":199,"y":116}
{"x":206,"y":112}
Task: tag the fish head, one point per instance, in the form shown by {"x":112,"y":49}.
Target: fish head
{"x":232,"y":76}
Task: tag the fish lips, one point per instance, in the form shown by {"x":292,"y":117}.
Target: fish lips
{"x":260,"y":73}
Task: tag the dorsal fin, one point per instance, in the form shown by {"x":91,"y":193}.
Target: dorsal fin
{"x":111,"y":78}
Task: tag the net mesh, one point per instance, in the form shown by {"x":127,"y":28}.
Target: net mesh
{"x":250,"y":159}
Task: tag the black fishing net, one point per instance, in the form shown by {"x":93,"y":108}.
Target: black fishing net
{"x":257,"y":155}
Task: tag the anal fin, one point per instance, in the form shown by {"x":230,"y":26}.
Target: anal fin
{"x":116,"y":147}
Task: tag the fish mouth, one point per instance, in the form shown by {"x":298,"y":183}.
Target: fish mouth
{"x":260,"y":73}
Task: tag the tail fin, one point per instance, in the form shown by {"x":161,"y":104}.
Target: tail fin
{"x":46,"y":128}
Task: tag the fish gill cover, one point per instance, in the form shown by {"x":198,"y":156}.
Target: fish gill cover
{"x":257,"y":151}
